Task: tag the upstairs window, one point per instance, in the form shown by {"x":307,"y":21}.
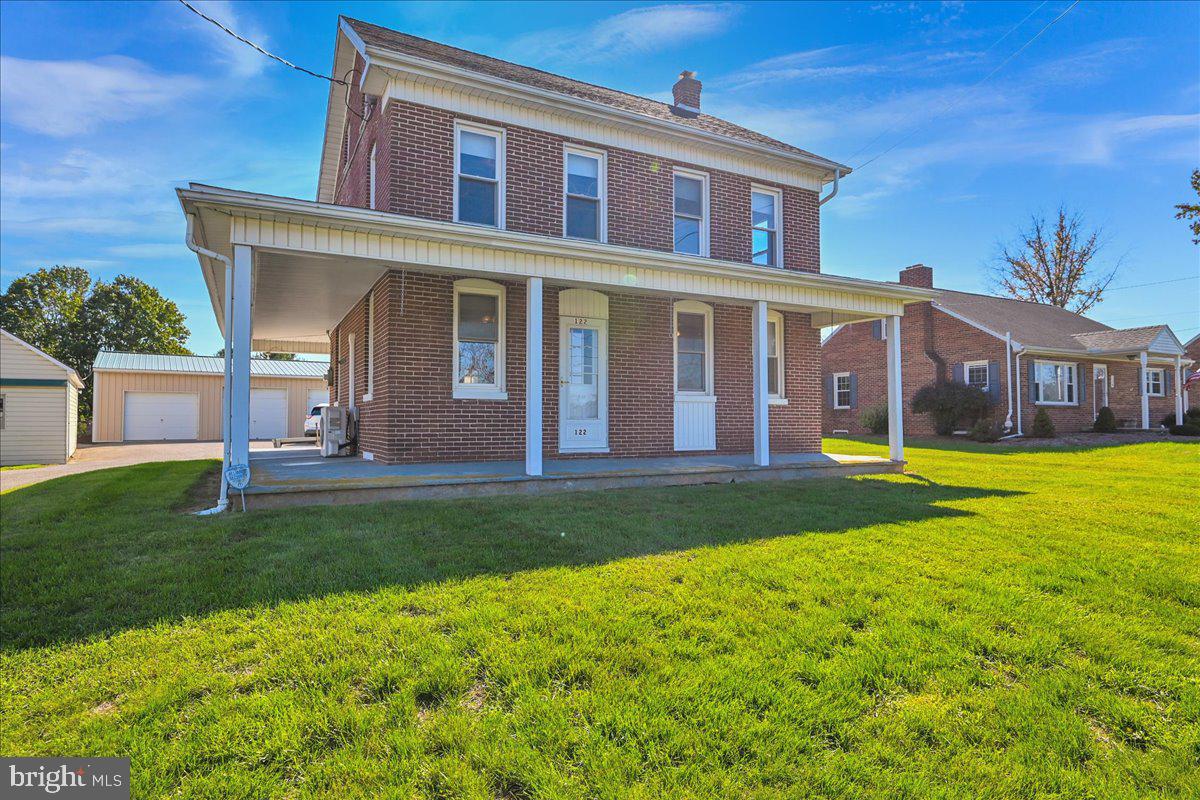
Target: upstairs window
{"x":691,"y":213}
{"x":478,"y":339}
{"x":584,"y":194}
{"x":764,"y":227}
{"x":479,"y":175}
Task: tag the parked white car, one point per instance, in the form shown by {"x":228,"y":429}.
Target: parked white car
{"x":313,"y":421}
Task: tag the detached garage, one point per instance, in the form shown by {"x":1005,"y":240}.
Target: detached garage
{"x":39,"y":405}
{"x":143,"y":397}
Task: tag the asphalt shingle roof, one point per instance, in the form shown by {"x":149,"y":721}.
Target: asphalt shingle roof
{"x":435,"y":51}
{"x":205,"y":365}
{"x":1124,"y":339}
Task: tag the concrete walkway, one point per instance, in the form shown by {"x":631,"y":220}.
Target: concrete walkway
{"x":90,"y":457}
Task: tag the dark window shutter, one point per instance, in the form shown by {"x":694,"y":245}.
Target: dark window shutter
{"x":1168,"y":382}
{"x":877,"y":329}
{"x":854,"y":390}
{"x":994,"y":381}
{"x":1032,"y":382}
{"x":1080,"y":384}
{"x":829,"y":391}
{"x":958,"y":373}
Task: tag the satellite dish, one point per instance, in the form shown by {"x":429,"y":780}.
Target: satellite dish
{"x":238,"y":476}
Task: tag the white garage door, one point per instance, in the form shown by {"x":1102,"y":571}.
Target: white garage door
{"x":161,"y":415}
{"x":268,"y":413}
{"x":315,"y":398}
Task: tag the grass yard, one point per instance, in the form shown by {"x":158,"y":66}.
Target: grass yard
{"x":1002,"y":623}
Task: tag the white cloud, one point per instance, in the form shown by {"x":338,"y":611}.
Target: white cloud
{"x":639,"y":30}
{"x":106,"y":89}
{"x":240,"y":59}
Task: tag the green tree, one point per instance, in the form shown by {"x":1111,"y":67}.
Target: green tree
{"x":1191,"y":211}
{"x":44,"y":308}
{"x":130,"y":314}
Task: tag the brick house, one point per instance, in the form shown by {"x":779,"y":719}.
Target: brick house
{"x":507,"y":264}
{"x":1024,"y":355}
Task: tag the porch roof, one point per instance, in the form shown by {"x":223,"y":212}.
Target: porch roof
{"x":314,"y":260}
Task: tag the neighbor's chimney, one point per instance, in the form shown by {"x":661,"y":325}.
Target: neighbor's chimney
{"x":917,"y":275}
{"x":687,"y":92}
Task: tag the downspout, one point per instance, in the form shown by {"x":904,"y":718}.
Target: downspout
{"x":1017,"y":355}
{"x":1008,"y":365}
{"x":837,"y":178}
{"x":223,"y":500}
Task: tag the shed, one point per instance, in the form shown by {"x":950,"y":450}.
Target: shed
{"x":39,"y":405}
{"x":148,"y":397}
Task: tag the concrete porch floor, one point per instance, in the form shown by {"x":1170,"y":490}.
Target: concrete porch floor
{"x":300,"y":476}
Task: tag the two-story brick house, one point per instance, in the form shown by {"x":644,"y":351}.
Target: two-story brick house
{"x":504,"y":263}
{"x":1025,"y":356}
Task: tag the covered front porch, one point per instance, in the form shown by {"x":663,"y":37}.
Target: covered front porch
{"x":284,"y":273}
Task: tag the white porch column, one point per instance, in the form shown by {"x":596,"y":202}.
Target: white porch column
{"x":239,"y":384}
{"x":762,"y":421}
{"x":1178,"y":390}
{"x":533,"y":376}
{"x":1142,"y":392}
{"x":895,"y":391}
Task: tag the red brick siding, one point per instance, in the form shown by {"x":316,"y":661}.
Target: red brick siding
{"x":414,"y":417}
{"x":417,"y":179}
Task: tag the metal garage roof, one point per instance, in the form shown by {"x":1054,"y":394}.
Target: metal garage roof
{"x":204,"y":365}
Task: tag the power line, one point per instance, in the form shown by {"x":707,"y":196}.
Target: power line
{"x":973,"y":86}
{"x":1155,"y":283}
{"x":246,"y":41}
{"x":905,"y":121}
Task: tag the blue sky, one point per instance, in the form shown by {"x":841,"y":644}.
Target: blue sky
{"x":104,"y":108}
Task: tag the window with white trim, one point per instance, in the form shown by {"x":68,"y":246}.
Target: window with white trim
{"x":1055,"y":382}
{"x":765,"y":239}
{"x":1156,"y":382}
{"x":775,"y":380}
{"x":371,"y":179}
{"x":841,"y":390}
{"x":693,"y":348}
{"x":976,"y":374}
{"x":478,"y":339}
{"x":478,"y":175}
{"x":369,"y":332}
{"x":584,"y":194}
{"x":691,"y":212}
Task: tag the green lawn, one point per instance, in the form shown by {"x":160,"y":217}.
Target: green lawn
{"x":1002,"y":623}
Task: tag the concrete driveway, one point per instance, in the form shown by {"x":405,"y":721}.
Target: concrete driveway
{"x":103,"y":456}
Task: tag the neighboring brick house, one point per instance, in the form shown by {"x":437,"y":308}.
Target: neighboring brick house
{"x":505,"y":263}
{"x":1024,"y":355}
{"x":1191,"y":397}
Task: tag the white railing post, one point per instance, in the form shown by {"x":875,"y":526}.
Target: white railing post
{"x":895,"y":391}
{"x":239,"y":384}
{"x":762,"y":422}
{"x":533,"y":376}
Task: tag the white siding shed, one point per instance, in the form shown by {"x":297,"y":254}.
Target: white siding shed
{"x":39,"y":405}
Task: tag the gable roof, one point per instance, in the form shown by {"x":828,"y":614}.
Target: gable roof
{"x":204,"y":365}
{"x":1040,"y":326}
{"x":410,"y":45}
{"x":72,"y":376}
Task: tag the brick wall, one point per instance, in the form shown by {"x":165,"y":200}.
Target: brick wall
{"x":417,"y":179}
{"x":414,"y":417}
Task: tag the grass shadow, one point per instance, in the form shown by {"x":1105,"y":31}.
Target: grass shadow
{"x":102,"y":552}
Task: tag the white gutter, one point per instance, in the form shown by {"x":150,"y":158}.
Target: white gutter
{"x":223,"y":500}
{"x":837,"y":179}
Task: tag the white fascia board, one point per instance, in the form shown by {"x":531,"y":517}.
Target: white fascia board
{"x":1015,"y":344}
{"x":1114,"y":356}
{"x":289,"y":209}
{"x":335,"y":111}
{"x":436,"y":71}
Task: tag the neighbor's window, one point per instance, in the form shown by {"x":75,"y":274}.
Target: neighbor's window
{"x":479,"y":176}
{"x":764,"y":227}
{"x":478,"y":338}
{"x":1055,"y":382}
{"x":774,"y":355}
{"x":977,"y":374}
{"x":1155,"y":382}
{"x":691,"y":213}
{"x":584,"y":194}
{"x":841,"y":390}
{"x":693,"y":348}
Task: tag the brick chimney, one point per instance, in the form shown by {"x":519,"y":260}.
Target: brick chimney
{"x":687,"y":92}
{"x":917,"y":275}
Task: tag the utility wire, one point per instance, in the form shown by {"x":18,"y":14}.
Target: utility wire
{"x":1155,"y":283}
{"x":908,"y":118}
{"x":244,"y":40}
{"x":973,"y":86}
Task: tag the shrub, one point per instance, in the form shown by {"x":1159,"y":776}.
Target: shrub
{"x":1192,"y":415}
{"x":1042,"y":428}
{"x":950,"y":404}
{"x":1190,"y":428}
{"x":986,"y":430}
{"x":1106,"y":421}
{"x":875,"y":419}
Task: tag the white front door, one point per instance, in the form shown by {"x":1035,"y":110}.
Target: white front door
{"x":268,"y":413}
{"x":695,"y":400}
{"x":1099,"y":388}
{"x":583,"y":385}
